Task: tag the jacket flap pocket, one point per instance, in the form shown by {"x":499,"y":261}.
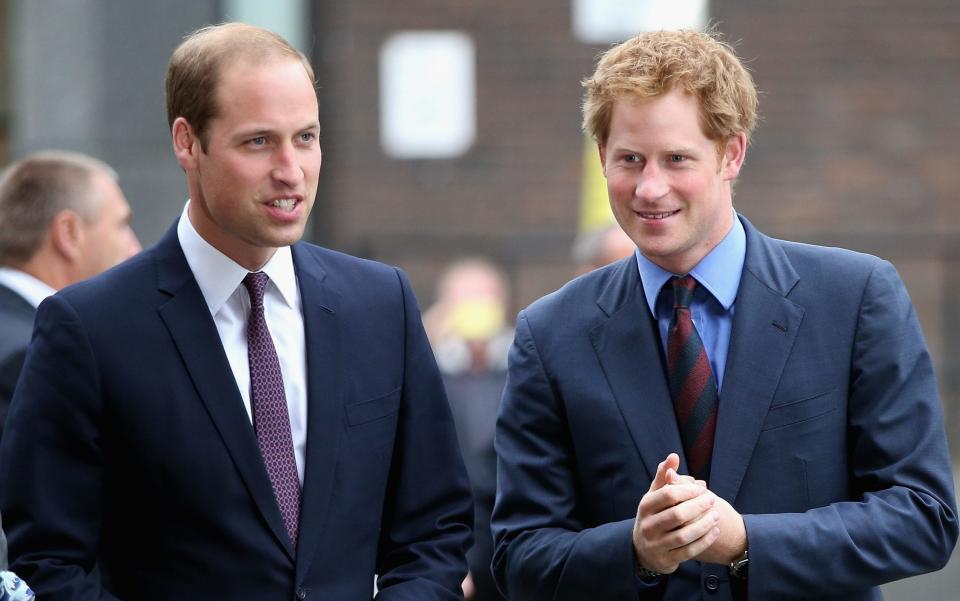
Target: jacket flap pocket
{"x":802,"y":409}
{"x":362,"y":412}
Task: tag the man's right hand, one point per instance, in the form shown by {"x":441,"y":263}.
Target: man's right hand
{"x":674,"y":523}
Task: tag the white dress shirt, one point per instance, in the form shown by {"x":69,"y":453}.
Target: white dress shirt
{"x":30,"y":288}
{"x":221,"y":282}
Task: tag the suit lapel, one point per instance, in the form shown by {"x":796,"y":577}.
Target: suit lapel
{"x":628,"y":346}
{"x":765,"y":327}
{"x":195,"y":335}
{"x":324,"y":400}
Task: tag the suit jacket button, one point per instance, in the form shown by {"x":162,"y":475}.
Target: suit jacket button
{"x":711,"y":583}
{"x":301,"y":594}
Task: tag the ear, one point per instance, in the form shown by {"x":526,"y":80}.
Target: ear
{"x":733,"y":155}
{"x":186,"y":144}
{"x":603,"y":158}
{"x":66,"y":235}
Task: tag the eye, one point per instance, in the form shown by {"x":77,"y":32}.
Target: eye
{"x":677,"y":158}
{"x":632,"y":158}
{"x":258,"y":141}
{"x":307,"y":137}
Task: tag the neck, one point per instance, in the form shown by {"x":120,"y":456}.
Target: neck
{"x":53,"y":273}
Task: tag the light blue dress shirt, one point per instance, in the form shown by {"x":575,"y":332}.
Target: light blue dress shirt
{"x":713,"y":302}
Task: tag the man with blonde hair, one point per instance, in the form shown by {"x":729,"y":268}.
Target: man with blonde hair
{"x":236,"y":414}
{"x":722,"y":414}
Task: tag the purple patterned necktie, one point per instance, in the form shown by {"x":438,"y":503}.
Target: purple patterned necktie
{"x":271,"y":421}
{"x":692,"y":385}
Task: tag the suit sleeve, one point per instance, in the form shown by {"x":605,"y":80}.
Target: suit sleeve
{"x":542,"y":549}
{"x":429,"y":511}
{"x":50,"y":454}
{"x":901,"y":519}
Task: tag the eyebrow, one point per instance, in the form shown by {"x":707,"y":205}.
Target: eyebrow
{"x":255,"y":133}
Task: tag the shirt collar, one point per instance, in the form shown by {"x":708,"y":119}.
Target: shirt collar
{"x":719,"y":272}
{"x":219,"y":276}
{"x":30,"y":288}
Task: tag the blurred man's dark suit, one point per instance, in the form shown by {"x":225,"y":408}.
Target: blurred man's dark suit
{"x":474,"y":399}
{"x":149,"y":484}
{"x":16,"y":325}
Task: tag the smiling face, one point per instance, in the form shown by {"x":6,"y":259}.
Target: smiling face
{"x":666,"y":188}
{"x":254,"y":183}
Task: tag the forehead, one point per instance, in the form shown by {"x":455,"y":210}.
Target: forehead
{"x":673,"y":111}
{"x":108,"y":195}
{"x":273,"y":86}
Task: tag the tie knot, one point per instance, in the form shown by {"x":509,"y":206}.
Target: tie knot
{"x":256,"y":284}
{"x":683,"y":291}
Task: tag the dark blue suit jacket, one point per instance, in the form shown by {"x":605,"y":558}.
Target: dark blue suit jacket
{"x":829,"y":438}
{"x":137,"y":470}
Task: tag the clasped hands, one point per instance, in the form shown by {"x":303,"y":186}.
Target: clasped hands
{"x":679,"y":518}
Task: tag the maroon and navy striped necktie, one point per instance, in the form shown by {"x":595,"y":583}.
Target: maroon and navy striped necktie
{"x":692,"y":383}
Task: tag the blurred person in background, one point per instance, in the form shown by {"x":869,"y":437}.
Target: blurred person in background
{"x":235,"y":414}
{"x":601,"y":246}
{"x":470,"y":338}
{"x":63,"y":218}
{"x":722,"y":414}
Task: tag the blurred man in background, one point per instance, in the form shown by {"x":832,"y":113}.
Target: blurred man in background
{"x":470,"y":338}
{"x":63,"y":218}
{"x":601,"y":246}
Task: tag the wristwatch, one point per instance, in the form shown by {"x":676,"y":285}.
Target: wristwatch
{"x":739,"y":566}
{"x":646,"y":575}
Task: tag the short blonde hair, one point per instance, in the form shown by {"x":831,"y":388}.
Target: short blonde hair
{"x":654,"y":63}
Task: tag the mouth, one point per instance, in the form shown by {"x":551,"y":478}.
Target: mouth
{"x":286,"y":205}
{"x":658,"y":215}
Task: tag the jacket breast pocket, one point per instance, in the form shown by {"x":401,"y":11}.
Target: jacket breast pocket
{"x":803,"y":409}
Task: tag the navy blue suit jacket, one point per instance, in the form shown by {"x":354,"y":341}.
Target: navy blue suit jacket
{"x":829,"y":438}
{"x":137,"y":470}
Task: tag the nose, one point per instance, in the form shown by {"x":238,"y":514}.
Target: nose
{"x":651,"y":183}
{"x":287,"y":167}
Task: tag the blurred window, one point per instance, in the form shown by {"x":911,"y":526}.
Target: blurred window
{"x":607,"y":21}
{"x":427,"y":94}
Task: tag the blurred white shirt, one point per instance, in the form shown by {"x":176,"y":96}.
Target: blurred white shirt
{"x":30,"y":288}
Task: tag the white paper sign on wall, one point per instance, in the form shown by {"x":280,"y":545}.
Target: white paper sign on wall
{"x":608,"y":21}
{"x":427,"y":94}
